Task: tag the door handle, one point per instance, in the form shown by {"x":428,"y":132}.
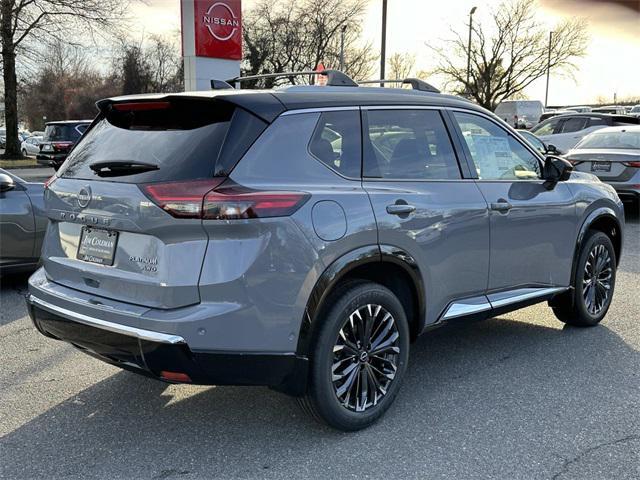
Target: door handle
{"x":400,"y":209}
{"x":502,"y":206}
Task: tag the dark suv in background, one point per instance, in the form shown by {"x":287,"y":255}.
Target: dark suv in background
{"x":59,"y":138}
{"x":303,"y":237}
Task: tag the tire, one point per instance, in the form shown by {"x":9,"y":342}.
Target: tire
{"x":585,"y":306}
{"x":347,"y":397}
{"x":24,"y":152}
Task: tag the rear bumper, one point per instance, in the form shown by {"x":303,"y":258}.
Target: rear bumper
{"x":151,"y":353}
{"x":627,"y":194}
{"x":51,"y":159}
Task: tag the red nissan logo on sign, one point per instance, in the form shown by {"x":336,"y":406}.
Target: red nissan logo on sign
{"x":218,"y":29}
{"x":221,"y":21}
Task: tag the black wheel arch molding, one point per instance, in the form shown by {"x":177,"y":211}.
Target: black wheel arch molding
{"x":602,"y":215}
{"x":340,"y":268}
{"x":596,"y":216}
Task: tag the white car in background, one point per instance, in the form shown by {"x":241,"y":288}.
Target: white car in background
{"x":527,"y":111}
{"x":31,"y":146}
{"x":565,"y":131}
{"x":580,"y":109}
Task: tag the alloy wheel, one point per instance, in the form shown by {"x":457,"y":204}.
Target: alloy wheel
{"x":596,"y":281}
{"x":365,"y":357}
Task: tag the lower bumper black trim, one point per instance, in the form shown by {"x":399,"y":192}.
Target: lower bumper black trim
{"x":284,"y":372}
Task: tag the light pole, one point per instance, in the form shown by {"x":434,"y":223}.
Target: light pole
{"x":473,"y":10}
{"x":383,"y":45}
{"x":546,"y":95}
{"x":342,"y":30}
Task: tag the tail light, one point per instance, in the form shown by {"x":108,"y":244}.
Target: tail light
{"x":201,"y":199}
{"x":50,"y":181}
{"x":632,"y":164}
{"x":181,"y":199}
{"x":234,"y":205}
{"x":58,"y":146}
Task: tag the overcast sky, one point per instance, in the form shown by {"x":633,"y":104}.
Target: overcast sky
{"x":612,"y":63}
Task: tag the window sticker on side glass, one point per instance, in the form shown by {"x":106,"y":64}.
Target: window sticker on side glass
{"x":492,"y":155}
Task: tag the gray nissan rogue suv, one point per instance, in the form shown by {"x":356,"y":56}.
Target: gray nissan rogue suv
{"x":303,"y":237}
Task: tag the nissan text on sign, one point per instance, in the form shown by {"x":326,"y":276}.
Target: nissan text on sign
{"x":211,"y":41}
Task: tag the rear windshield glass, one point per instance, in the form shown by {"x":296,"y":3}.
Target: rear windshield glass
{"x":63,"y":132}
{"x":612,"y":140}
{"x":182,"y":139}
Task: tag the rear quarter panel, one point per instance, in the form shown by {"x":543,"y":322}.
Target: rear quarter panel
{"x":294,"y":251}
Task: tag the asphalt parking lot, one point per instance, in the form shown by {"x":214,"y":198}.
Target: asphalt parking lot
{"x":33,"y":174}
{"x":516,"y":397}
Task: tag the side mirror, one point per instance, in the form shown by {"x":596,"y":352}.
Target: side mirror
{"x":555,"y":170}
{"x":552,"y":149}
{"x":6,"y":183}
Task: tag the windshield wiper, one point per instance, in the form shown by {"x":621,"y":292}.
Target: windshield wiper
{"x":115,"y":168}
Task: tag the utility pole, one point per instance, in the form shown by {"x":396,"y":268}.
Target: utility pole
{"x":546,"y":95}
{"x":473,"y":10}
{"x":342,"y":30}
{"x":383,"y":46}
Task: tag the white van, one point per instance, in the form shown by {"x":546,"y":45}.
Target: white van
{"x":527,"y":111}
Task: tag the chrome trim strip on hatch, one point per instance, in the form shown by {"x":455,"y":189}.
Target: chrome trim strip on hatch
{"x":140,"y":333}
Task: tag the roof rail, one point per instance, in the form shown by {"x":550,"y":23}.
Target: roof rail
{"x":415,"y":83}
{"x":335,"y":78}
{"x":220,"y":85}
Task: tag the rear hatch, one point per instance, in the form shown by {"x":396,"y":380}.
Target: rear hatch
{"x":123,"y":209}
{"x":607,"y":164}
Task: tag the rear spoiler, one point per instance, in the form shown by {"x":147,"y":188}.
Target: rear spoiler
{"x":263,"y":105}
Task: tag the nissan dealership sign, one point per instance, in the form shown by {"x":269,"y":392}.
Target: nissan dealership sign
{"x":211,"y":41}
{"x":218,"y":28}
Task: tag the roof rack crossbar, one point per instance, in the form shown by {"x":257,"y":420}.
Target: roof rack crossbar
{"x":335,"y":78}
{"x":415,"y":83}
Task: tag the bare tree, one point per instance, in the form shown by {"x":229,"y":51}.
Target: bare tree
{"x":25,"y":21}
{"x":65,"y":87}
{"x":148,"y":66}
{"x":504,"y":64}
{"x":290,"y":35}
{"x":401,"y":65}
{"x":163,"y":57}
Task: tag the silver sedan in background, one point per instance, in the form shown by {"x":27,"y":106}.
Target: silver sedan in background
{"x":30,"y":146}
{"x":22,"y":223}
{"x":613,"y":155}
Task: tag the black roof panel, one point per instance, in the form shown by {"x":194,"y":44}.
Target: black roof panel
{"x":268,"y":104}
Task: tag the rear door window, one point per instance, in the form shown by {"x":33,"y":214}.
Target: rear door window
{"x":573,"y":124}
{"x":184,"y":139}
{"x":547,"y":127}
{"x":336,"y":142}
{"x":408,"y":145}
{"x":596,"y":121}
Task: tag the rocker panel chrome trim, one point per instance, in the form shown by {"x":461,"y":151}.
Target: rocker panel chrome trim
{"x":470,"y":306}
{"x":526,"y":294}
